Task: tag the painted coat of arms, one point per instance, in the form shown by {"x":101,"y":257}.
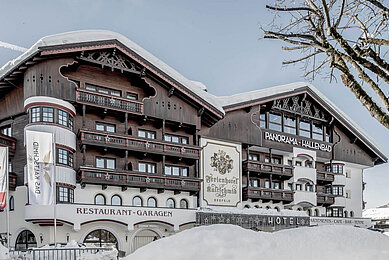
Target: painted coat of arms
{"x":222,"y":162}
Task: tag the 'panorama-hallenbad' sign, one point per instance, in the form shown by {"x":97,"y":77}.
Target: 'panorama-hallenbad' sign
{"x":222,"y":172}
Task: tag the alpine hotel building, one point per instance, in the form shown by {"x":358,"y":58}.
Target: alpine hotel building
{"x":139,"y":147}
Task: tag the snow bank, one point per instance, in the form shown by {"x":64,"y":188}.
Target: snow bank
{"x":3,"y":252}
{"x":232,"y":242}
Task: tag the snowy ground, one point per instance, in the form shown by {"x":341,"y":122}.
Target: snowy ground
{"x":234,"y":243}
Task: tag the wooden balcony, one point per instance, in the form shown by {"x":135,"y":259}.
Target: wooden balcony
{"x":268,"y":194}
{"x":325,"y":199}
{"x":87,"y":175}
{"x":138,"y":144}
{"x":261,"y":167}
{"x":12,"y":181}
{"x":9,"y":142}
{"x":110,"y":102}
{"x":325,"y":176}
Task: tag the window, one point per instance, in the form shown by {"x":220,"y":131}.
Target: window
{"x":176,"y":170}
{"x":25,"y":240}
{"x":351,"y":214}
{"x":254,"y":183}
{"x":99,"y":199}
{"x":105,"y":127}
{"x":267,"y":184}
{"x":317,"y":131}
{"x":101,"y":238}
{"x":289,"y":124}
{"x":253,"y":157}
{"x":309,"y":187}
{"x":6,"y":130}
{"x":151,"y":202}
{"x":334,"y":212}
{"x":290,"y":162}
{"x":335,"y":190}
{"x":48,"y":114}
{"x":105,"y":163}
{"x":146,"y":134}
{"x":176,"y":139}
{"x":328,"y":134}
{"x":336,"y":168}
{"x":298,"y":163}
{"x":11,"y":203}
{"x":275,"y":122}
{"x":116,"y":200}
{"x":309,"y":164}
{"x":274,"y":160}
{"x":146,"y":167}
{"x":64,"y":118}
{"x":262,"y":120}
{"x":35,"y":114}
{"x":64,"y":157}
{"x":65,"y":194}
{"x":103,"y":90}
{"x":276,"y":185}
{"x":132,"y":96}
{"x":305,"y":129}
{"x":183,"y":204}
{"x":170,"y":203}
{"x":137,"y":201}
{"x":298,"y":186}
{"x":290,"y":186}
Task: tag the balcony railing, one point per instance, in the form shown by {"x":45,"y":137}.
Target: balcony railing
{"x":8,"y":142}
{"x":137,"y":180}
{"x":325,"y":176}
{"x":278,"y":169}
{"x":110,"y":102}
{"x":327,"y":199}
{"x":268,"y":194}
{"x":138,"y":144}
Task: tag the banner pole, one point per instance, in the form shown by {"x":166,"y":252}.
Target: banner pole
{"x":55,"y":192}
{"x":7,"y":194}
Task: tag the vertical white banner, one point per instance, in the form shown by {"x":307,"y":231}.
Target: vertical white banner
{"x":40,"y":168}
{"x":3,"y":176}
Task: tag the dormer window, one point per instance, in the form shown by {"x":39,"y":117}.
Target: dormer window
{"x":275,"y":122}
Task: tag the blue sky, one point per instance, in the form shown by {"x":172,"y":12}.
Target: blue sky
{"x":215,"y":42}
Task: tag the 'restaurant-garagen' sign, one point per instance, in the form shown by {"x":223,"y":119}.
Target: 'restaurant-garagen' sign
{"x":222,"y":172}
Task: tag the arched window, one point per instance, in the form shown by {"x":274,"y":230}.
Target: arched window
{"x":11,"y":203}
{"x":309,"y":212}
{"x":116,"y":200}
{"x":151,"y":202}
{"x":277,"y":208}
{"x":100,"y":238}
{"x":247,"y":206}
{"x":268,"y":207}
{"x":99,"y":199}
{"x":317,"y":213}
{"x":345,"y":214}
{"x":137,"y":201}
{"x":351,"y":214}
{"x":299,"y":209}
{"x":256,"y":206}
{"x":25,"y":240}
{"x":170,"y":203}
{"x":183,"y":204}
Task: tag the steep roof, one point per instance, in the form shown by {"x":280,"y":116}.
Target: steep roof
{"x":259,"y":96}
{"x":88,"y":36}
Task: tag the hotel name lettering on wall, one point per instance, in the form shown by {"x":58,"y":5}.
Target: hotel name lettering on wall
{"x":280,"y":138}
{"x":123,"y":212}
{"x":221,"y":173}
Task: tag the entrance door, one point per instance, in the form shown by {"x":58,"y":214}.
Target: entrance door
{"x":143,"y":238}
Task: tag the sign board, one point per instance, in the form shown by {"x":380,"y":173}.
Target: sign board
{"x":357,"y":222}
{"x":221,"y":168}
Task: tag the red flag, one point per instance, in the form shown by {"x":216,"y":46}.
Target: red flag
{"x":3,"y":176}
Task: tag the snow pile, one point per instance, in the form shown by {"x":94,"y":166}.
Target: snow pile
{"x":256,"y":211}
{"x":235,"y":243}
{"x":105,"y":255}
{"x":3,"y":252}
{"x":376,"y":213}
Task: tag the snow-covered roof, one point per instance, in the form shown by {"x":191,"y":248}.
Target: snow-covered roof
{"x":376,"y":213}
{"x":253,"y":96}
{"x":87,"y":36}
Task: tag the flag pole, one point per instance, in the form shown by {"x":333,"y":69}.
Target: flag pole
{"x":7,"y":194}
